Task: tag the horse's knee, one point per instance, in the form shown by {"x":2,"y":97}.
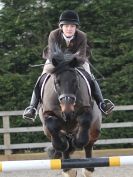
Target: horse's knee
{"x":85,"y":121}
{"x":81,"y":142}
{"x":58,"y":139}
{"x":52,"y":125}
{"x":81,"y":139}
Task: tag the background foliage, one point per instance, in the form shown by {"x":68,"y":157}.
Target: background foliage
{"x":25,"y":26}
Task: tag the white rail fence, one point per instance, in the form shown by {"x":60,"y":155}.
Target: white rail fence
{"x":7,"y":130}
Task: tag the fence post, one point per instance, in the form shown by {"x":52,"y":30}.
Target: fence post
{"x":7,"y":140}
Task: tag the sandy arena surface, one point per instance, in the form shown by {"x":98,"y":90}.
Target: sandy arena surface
{"x":126,"y":171}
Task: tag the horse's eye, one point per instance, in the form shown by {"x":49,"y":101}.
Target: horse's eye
{"x":58,"y":81}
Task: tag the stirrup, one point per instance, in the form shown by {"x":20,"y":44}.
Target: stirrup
{"x":30,"y":118}
{"x":110,"y":109}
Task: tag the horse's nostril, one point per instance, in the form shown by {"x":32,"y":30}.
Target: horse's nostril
{"x":65,"y":99}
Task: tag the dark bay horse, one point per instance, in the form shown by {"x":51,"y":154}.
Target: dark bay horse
{"x":70,"y":116}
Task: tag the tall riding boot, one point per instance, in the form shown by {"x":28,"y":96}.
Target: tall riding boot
{"x":105,"y":105}
{"x":31,"y":111}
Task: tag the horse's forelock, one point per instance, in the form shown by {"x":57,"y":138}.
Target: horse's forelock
{"x":61,"y":60}
{"x":62,"y":67}
{"x":58,"y":55}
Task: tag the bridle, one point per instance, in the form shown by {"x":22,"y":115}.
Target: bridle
{"x":67,"y":98}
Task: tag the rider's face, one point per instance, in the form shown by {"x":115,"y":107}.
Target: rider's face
{"x":69,"y":29}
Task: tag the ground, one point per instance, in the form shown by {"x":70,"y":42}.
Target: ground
{"x":126,"y":171}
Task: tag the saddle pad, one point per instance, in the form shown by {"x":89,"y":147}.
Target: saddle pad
{"x":88,"y":84}
{"x":43,"y":84}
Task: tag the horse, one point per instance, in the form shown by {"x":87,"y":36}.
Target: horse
{"x":70,"y":117}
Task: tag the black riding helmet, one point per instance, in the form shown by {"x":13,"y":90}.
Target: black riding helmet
{"x":69,"y":17}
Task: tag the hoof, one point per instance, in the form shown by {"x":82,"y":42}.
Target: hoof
{"x":53,"y":154}
{"x":86,"y":173}
{"x":70,"y":173}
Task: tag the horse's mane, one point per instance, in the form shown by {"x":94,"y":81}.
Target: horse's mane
{"x":63,"y":66}
{"x":62,"y":60}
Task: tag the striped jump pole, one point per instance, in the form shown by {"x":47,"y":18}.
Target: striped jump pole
{"x":6,"y":166}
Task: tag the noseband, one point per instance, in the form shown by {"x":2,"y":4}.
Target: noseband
{"x":68,"y":98}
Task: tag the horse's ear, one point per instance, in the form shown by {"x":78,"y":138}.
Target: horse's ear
{"x":57,"y":58}
{"x":73,"y":63}
{"x":54,"y":61}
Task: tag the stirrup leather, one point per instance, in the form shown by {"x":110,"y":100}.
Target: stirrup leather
{"x":110,"y":109}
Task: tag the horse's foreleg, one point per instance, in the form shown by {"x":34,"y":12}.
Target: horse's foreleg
{"x":88,"y":153}
{"x":88,"y":172}
{"x":93,"y":136}
{"x":68,"y":172}
{"x":82,"y":136}
{"x":58,"y":139}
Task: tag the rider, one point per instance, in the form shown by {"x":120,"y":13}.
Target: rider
{"x":69,"y":38}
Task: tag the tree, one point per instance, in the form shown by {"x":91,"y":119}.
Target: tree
{"x":23,"y":35}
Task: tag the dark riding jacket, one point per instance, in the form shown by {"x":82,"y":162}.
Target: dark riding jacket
{"x":77,"y":45}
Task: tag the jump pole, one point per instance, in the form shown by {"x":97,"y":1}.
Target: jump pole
{"x":8,"y":166}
